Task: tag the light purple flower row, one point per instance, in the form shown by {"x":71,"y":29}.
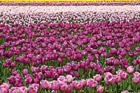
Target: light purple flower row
{"x":70,"y":3}
{"x":67,"y":17}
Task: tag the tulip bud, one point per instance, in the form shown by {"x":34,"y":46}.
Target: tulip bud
{"x":77,"y":74}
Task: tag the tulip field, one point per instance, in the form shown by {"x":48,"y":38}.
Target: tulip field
{"x":76,"y":48}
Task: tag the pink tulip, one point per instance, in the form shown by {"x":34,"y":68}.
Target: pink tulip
{"x":5,"y":85}
{"x":78,"y":85}
{"x":44,"y":83}
{"x":54,"y":91}
{"x":33,"y":88}
{"x":119,"y":72}
{"x":12,"y":80}
{"x":135,"y":80}
{"x":124,"y":92}
{"x":137,"y":75}
{"x":23,"y":89}
{"x":3,"y":90}
{"x":97,"y":77}
{"x":91,"y":83}
{"x":69,"y":89}
{"x":130,"y":69}
{"x":25,"y":71}
{"x":117,"y":78}
{"x":123,"y":75}
{"x":84,"y":82}
{"x":134,"y":62}
{"x":63,"y":87}
{"x":69,"y":78}
{"x":109,"y":78}
{"x":13,"y":89}
{"x":44,"y":68}
{"x":29,"y":80}
{"x":62,"y":79}
{"x":13,"y":65}
{"x":14,"y":72}
{"x":100,"y":89}
{"x":55,"y":85}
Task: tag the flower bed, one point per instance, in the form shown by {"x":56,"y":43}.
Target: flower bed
{"x":70,"y":51}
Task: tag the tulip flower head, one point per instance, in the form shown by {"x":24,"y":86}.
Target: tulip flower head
{"x":69,"y":78}
{"x":97,"y":77}
{"x":44,"y":83}
{"x":130,"y":69}
{"x":135,"y":80}
{"x":124,"y":92}
{"x":100,"y":89}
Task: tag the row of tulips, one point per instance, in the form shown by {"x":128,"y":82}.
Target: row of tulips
{"x":26,"y":16}
{"x":71,"y":3}
{"x":67,"y":83}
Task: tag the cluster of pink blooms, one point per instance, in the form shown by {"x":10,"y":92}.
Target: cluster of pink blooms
{"x":71,"y":3}
{"x":66,"y":84}
{"x":9,"y":63}
{"x":5,"y":88}
{"x":111,"y":79}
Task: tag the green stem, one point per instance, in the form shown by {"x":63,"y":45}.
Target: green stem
{"x":110,"y":88}
{"x":45,"y":91}
{"x":92,"y":90}
{"x":4,"y":72}
{"x":116,"y":68}
{"x":85,"y":75}
{"x":7,"y":73}
{"x":136,"y":89}
{"x":129,"y":80}
{"x":92,"y":72}
{"x":129,"y":87}
{"x":123,"y":84}
{"x":116,"y":87}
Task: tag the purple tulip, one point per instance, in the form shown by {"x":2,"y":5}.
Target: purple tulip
{"x":104,"y":54}
{"x":8,"y":61}
{"x":29,"y":80}
{"x":48,"y":74}
{"x":14,"y":72}
{"x":25,"y":71}
{"x":12,"y":79}
{"x":13,"y":65}
{"x":5,"y":65}
{"x":77,"y":74}
{"x":96,"y":56}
